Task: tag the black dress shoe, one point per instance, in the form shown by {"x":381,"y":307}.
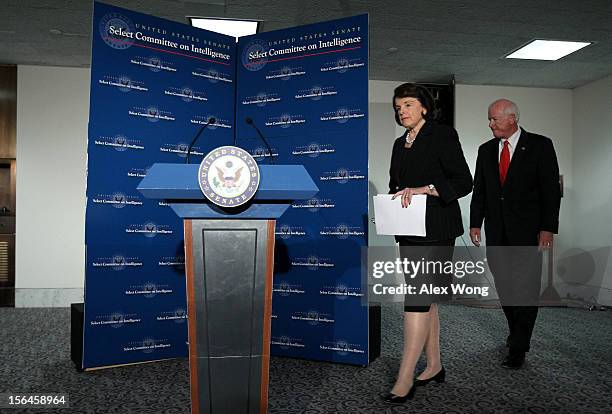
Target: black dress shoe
{"x":514,"y":360}
{"x":439,"y":378}
{"x":397,"y":399}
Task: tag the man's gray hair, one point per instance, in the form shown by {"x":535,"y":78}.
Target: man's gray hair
{"x":510,"y":108}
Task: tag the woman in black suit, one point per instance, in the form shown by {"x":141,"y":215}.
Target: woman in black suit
{"x":426,"y":159}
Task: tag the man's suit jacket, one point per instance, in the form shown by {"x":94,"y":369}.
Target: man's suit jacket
{"x":529,"y":200}
{"x":440,"y":162}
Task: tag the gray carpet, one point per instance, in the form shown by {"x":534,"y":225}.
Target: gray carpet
{"x":568,"y":371}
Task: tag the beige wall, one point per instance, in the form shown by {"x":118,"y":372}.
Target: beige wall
{"x":592,"y":157}
{"x":52,"y":113}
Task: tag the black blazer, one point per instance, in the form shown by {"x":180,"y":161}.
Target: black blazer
{"x":441,"y":163}
{"x":530,"y":198}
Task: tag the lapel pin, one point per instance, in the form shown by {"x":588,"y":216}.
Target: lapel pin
{"x":522,"y":148}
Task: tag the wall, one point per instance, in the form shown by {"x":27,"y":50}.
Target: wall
{"x":52,"y":112}
{"x":592,"y":212}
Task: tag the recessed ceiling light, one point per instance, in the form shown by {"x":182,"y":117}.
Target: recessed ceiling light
{"x":546,"y":49}
{"x":230,"y":27}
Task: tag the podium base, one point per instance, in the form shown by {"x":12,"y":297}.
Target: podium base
{"x":229,"y":265}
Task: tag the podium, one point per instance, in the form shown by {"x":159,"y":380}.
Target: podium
{"x":229,"y":260}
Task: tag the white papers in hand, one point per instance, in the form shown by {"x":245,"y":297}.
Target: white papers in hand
{"x":392,"y":219}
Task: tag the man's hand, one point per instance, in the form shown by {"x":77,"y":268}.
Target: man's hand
{"x":545,"y":240}
{"x":475,"y":236}
{"x":407,"y":193}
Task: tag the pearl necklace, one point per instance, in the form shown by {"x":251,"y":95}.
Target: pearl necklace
{"x":410,"y":141}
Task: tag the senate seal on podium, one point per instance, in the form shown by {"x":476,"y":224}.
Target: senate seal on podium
{"x":228,"y":176}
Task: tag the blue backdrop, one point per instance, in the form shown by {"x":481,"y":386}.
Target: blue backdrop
{"x":153,"y":83}
{"x":306,"y":88}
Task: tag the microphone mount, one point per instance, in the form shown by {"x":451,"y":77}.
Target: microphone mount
{"x":249,"y":121}
{"x":211,"y":121}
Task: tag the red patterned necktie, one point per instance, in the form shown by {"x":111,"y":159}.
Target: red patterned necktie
{"x":504,"y":162}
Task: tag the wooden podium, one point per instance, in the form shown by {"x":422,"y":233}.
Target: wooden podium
{"x":229,"y":261}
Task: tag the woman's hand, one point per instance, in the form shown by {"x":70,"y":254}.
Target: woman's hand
{"x":407,"y":193}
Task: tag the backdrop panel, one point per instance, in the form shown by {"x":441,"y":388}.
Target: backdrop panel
{"x":306,"y":88}
{"x":153,"y":84}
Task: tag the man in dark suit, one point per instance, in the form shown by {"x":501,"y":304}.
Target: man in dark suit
{"x":517,"y":194}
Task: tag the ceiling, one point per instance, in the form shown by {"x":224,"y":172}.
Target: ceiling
{"x":434,"y":38}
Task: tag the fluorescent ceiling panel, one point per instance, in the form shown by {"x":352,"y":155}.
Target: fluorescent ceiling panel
{"x":547,"y":50}
{"x":230,"y":27}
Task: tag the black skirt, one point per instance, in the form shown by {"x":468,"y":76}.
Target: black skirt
{"x":424,"y":272}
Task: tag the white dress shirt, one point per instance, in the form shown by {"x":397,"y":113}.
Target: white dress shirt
{"x":512,"y":141}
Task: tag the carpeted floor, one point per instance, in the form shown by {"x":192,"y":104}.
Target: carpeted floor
{"x":568,"y":371}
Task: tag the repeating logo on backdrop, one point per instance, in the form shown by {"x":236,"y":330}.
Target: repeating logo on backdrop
{"x":341,"y":291}
{"x":118,"y":22}
{"x":147,"y":345}
{"x":117,"y":200}
{"x":286,"y":231}
{"x":154,"y":63}
{"x":312,"y":317}
{"x":341,"y":231}
{"x":261,"y":99}
{"x":261,"y":153}
{"x":285,"y":120}
{"x":119,"y":143}
{"x":149,"y":229}
{"x":286,"y":289}
{"x":212,"y":74}
{"x":342,"y":347}
{"x":219,"y":123}
{"x":228,"y":176}
{"x":148,"y":290}
{"x":115,"y":320}
{"x":316,"y":92}
{"x":342,"y":115}
{"x":342,"y":65}
{"x":177,"y":316}
{"x":313,"y":150}
{"x":186,"y":94}
{"x":314,"y":204}
{"x":152,"y":113}
{"x":341,"y":175}
{"x":312,"y":262}
{"x":116,"y":262}
{"x":286,"y":342}
{"x":286,"y":73}
{"x":123,"y":83}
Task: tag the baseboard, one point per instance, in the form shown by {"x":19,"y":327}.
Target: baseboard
{"x":47,"y":298}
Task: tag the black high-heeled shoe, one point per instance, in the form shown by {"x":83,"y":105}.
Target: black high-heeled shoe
{"x":399,"y":399}
{"x":439,"y":378}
